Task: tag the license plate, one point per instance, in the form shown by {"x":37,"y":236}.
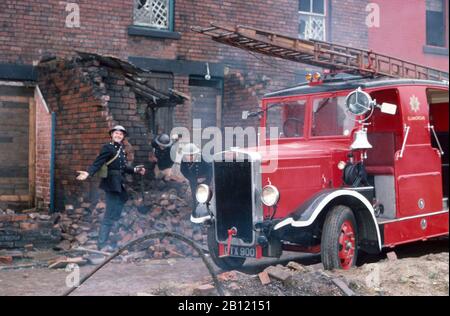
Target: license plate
{"x":239,"y":251}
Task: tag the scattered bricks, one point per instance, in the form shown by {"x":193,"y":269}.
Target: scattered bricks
{"x":79,"y":211}
{"x":164,"y":203}
{"x":158,"y":255}
{"x":69,"y":207}
{"x":82,"y":238}
{"x":264,"y":278}
{"x":33,"y":215}
{"x":6,"y":259}
{"x":297,"y":267}
{"x":13,"y":218}
{"x":127,"y":238}
{"x":29,"y":247}
{"x":44,"y":217}
{"x":63,"y":245}
{"x":198,"y":237}
{"x":343,"y":287}
{"x":234,"y":286}
{"x":67,"y":237}
{"x":100,"y":205}
{"x":228,"y":276}
{"x":95,"y":259}
{"x":392,"y":256}
{"x":279,"y":273}
{"x":171,"y":207}
{"x":15,"y":254}
{"x":204,"y":290}
{"x":28,"y":226}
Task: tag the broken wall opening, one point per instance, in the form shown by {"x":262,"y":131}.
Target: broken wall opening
{"x":17,"y":137}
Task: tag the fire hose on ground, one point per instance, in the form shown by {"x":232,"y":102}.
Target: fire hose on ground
{"x":184,"y":239}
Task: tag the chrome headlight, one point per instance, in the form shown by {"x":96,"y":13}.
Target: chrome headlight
{"x":203,"y":194}
{"x":270,"y":195}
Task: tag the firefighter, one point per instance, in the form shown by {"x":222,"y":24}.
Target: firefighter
{"x":195,"y":169}
{"x":162,"y":146}
{"x":114,"y":157}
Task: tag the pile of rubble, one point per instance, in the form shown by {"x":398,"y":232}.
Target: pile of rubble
{"x":27,"y":229}
{"x":165,"y":206}
{"x":293,"y":279}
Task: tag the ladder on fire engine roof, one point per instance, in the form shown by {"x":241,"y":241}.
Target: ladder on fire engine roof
{"x":334,"y":57}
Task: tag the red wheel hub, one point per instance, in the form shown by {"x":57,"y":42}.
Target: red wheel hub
{"x":347,"y":245}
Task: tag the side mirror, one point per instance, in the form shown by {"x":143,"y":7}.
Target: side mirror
{"x":388,"y":108}
{"x":245,"y":115}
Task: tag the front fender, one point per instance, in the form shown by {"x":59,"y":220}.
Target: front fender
{"x":309,"y":211}
{"x":201,"y":214}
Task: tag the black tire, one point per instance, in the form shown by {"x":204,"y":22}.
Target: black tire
{"x":223,"y":263}
{"x":340,"y":221}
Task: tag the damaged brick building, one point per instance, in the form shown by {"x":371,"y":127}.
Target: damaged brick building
{"x":56,"y":105}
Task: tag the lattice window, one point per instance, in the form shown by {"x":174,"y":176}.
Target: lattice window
{"x":152,"y":13}
{"x":312,"y":24}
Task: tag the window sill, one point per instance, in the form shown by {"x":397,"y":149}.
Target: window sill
{"x":435,"y":50}
{"x":154,"y":33}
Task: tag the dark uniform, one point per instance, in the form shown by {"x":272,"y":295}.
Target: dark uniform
{"x":163,"y":155}
{"x":194,"y":171}
{"x":116,"y":195}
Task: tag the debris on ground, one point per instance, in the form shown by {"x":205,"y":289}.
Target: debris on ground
{"x":165,"y":206}
{"x":424,"y":275}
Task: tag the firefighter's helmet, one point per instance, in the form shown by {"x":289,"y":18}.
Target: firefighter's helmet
{"x":164,"y":140}
{"x":119,"y":128}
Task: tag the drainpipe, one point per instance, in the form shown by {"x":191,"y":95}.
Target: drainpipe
{"x":52,"y":164}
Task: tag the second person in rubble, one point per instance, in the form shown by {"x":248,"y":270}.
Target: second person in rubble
{"x":113,"y":158}
{"x":195,"y":169}
{"x":162,"y":147}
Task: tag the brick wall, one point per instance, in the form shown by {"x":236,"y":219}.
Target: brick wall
{"x":37,"y":29}
{"x":82,"y":124}
{"x":43,"y":150}
{"x":348,"y":23}
{"x":88,"y":99}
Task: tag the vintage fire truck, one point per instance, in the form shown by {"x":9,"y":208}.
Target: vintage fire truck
{"x":361,"y":160}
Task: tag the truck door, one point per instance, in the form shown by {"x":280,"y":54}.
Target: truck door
{"x":417,"y":163}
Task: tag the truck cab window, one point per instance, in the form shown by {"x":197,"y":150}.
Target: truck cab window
{"x":330,"y":118}
{"x":288,"y":117}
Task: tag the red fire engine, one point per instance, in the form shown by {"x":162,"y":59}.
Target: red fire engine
{"x":361,"y":161}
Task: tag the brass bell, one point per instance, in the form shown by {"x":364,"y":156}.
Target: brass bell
{"x":360,"y":140}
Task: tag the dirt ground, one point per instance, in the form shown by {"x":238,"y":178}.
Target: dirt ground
{"x":420,"y":269}
{"x":422,"y":276}
{"x":123,"y":279}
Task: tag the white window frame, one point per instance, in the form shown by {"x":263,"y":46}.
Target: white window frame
{"x":313,"y":14}
{"x":151,"y":25}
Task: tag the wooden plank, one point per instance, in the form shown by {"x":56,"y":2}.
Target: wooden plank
{"x":32,"y":153}
{"x":16,"y":91}
{"x":15,"y":198}
{"x":12,"y":181}
{"x":14,"y":99}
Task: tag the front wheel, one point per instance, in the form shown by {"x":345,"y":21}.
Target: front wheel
{"x":339,"y":239}
{"x":228,"y":263}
